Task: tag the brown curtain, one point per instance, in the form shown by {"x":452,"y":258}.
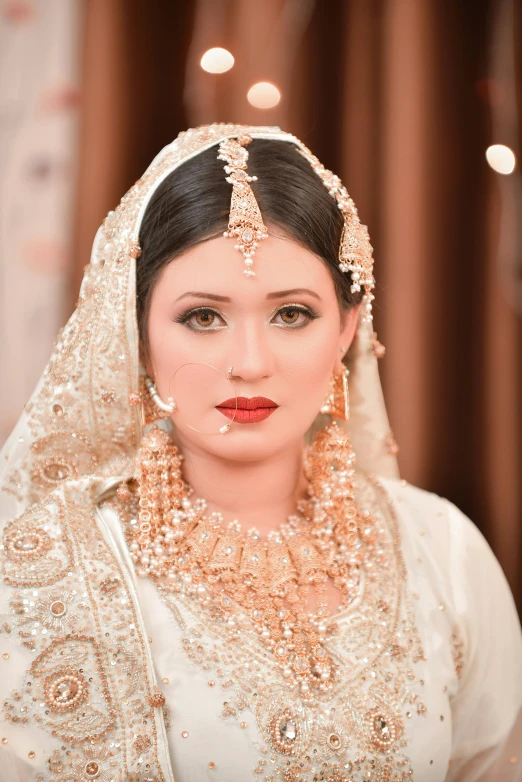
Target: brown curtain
{"x":396,"y":96}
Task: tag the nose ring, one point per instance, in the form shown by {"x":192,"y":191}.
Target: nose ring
{"x":229,"y":373}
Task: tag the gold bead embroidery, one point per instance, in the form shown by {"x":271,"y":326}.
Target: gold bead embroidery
{"x":65,"y":690}
{"x":284,"y":732}
{"x":141,"y":744}
{"x":457,"y":643}
{"x":110,"y":585}
{"x":383,"y":728}
{"x":157,"y":700}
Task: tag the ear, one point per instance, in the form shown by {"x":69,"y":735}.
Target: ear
{"x":145,"y":360}
{"x":349,"y":321}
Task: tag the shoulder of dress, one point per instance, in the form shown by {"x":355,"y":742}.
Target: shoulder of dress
{"x":401,"y":491}
{"x":432,"y":514}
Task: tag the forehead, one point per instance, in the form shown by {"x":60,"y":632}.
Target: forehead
{"x":216,"y":266}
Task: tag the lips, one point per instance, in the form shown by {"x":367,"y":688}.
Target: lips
{"x":244,"y":403}
{"x":249,"y":411}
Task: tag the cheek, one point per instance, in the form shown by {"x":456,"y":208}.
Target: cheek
{"x":308,"y":366}
{"x":165,"y":353}
{"x":308,"y":383}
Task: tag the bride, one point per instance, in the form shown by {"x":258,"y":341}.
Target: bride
{"x":210,"y":568}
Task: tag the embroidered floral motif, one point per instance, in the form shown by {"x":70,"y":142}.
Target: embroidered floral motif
{"x":51,"y":611}
{"x":87,"y":684}
{"x":37,"y":552}
{"x":94,"y":763}
{"x":332,"y":738}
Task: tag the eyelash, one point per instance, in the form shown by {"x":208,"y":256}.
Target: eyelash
{"x":186,"y":316}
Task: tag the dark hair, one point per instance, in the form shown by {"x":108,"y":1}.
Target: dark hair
{"x":192,"y":205}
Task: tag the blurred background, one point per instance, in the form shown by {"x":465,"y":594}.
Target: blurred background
{"x":416,"y":104}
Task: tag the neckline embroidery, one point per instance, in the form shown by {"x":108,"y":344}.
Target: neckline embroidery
{"x":353,"y":729}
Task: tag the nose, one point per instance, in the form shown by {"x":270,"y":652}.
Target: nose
{"x":251,"y":355}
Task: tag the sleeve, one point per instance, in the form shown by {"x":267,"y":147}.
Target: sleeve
{"x":487,"y":709}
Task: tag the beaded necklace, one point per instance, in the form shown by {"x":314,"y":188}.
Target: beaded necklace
{"x":175,"y":543}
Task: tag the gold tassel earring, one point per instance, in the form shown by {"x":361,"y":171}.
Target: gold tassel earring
{"x":161,"y":487}
{"x":337,"y":403}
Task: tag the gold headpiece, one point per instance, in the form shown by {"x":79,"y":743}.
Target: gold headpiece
{"x":245,"y":221}
{"x":355,"y":250}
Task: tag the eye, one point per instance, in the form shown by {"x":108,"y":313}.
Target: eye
{"x":202,"y":319}
{"x":295,"y":316}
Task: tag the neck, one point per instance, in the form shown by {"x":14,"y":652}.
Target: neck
{"x":259,"y":494}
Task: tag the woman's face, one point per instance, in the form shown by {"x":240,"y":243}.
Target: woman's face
{"x":280,"y":331}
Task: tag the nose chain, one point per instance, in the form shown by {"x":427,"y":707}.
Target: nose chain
{"x":184,"y":550}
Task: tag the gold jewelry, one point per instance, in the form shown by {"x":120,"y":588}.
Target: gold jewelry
{"x":245,"y":221}
{"x":150,"y":411}
{"x":173,"y":541}
{"x":226,"y":427}
{"x":336,"y":403}
{"x":167,"y":407}
{"x":355,"y":250}
{"x":378,"y":348}
{"x":158,"y":464}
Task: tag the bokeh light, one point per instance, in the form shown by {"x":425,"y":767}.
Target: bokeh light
{"x":501,"y":158}
{"x":217,"y":60}
{"x":263,"y":95}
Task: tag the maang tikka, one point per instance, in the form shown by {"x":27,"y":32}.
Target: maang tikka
{"x":245,"y":222}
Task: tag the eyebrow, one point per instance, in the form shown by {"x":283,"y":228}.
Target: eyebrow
{"x":274,"y":295}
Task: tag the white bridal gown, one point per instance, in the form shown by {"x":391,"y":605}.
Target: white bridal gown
{"x":455,"y":664}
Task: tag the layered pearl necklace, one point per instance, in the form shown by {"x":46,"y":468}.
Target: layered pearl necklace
{"x":175,"y":543}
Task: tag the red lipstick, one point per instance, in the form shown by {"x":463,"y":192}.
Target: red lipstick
{"x":249,"y":411}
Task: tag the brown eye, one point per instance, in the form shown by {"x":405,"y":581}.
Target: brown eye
{"x":290,"y":315}
{"x":295,"y":316}
{"x":204,"y":318}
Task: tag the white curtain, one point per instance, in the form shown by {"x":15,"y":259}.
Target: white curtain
{"x":39,"y":101}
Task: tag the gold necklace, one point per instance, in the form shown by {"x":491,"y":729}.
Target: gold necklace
{"x":173,"y":542}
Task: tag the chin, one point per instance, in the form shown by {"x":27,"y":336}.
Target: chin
{"x":251,"y":442}
{"x":245,"y":443}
